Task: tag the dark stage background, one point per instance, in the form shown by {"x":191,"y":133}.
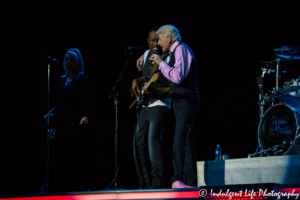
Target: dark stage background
{"x":227,"y":50}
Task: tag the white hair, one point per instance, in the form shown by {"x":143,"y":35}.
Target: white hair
{"x":171,"y":31}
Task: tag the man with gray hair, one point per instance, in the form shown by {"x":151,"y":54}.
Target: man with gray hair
{"x":181,"y":70}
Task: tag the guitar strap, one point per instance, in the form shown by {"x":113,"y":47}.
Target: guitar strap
{"x":154,"y":67}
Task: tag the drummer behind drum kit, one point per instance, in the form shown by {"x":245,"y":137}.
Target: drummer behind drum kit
{"x":278,"y":130}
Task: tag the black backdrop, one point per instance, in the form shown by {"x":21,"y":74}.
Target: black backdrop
{"x":227,"y":50}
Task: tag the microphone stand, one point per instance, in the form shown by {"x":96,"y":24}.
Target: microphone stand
{"x":48,"y":128}
{"x":48,"y":120}
{"x":115,"y":95}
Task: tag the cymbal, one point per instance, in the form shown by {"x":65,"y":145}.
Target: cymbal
{"x":268,"y":64}
{"x":287,"y":52}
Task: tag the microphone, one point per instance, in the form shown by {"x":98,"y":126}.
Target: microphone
{"x":260,"y":82}
{"x":52,"y":59}
{"x":155,"y":52}
{"x":135,"y":48}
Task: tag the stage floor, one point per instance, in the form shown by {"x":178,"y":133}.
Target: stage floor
{"x":229,"y":192}
{"x":189,"y":193}
{"x":276,"y":175}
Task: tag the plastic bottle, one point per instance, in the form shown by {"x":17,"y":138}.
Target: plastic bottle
{"x":218,"y":153}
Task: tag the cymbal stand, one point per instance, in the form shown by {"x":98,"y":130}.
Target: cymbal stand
{"x":277,"y":73}
{"x":260,"y":83}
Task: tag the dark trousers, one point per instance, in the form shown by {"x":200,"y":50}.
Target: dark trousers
{"x":70,"y":162}
{"x":184,"y":154}
{"x":147,"y":146}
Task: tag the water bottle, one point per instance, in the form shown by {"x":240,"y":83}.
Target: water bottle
{"x":43,"y":188}
{"x":218,"y":154}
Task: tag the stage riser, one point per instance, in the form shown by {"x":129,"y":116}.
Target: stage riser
{"x":275,"y":169}
{"x":160,"y":194}
{"x":157,"y":194}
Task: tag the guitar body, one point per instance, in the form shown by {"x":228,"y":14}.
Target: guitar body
{"x":140,"y":97}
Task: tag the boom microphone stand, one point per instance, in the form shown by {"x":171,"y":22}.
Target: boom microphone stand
{"x":48,"y":119}
{"x":48,"y":128}
{"x":115,"y":95}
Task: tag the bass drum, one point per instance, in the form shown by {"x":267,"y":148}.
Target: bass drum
{"x":278,"y":130}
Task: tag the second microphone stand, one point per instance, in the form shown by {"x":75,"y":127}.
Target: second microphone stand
{"x":115,"y":95}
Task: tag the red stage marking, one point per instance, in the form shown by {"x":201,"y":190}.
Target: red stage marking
{"x":142,"y":195}
{"x":297,"y":190}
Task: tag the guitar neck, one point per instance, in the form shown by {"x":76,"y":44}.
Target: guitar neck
{"x":152,"y":80}
{"x":148,"y":83}
{"x":146,"y":86}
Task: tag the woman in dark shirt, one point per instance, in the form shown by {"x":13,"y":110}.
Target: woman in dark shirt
{"x":71,"y":114}
{"x":74,"y":92}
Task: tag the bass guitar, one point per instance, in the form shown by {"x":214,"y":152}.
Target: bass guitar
{"x":140,"y":97}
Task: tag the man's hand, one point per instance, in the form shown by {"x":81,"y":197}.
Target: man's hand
{"x":140,"y":62}
{"x":135,"y":88}
{"x":147,"y":90}
{"x":156,"y":58}
{"x":84,"y":120}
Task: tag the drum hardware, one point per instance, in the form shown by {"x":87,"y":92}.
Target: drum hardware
{"x":270,"y":97}
{"x":275,"y":151}
{"x":275,"y":66}
{"x":270,"y":67}
{"x":288,"y":52}
{"x":290,"y":93}
{"x":285,"y":53}
{"x":278,"y":130}
{"x":271,"y":149}
{"x":260,"y":83}
{"x":286,"y":144}
{"x":277,"y":74}
{"x":266,"y":69}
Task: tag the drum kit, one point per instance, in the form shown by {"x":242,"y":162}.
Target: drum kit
{"x":278,"y":129}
